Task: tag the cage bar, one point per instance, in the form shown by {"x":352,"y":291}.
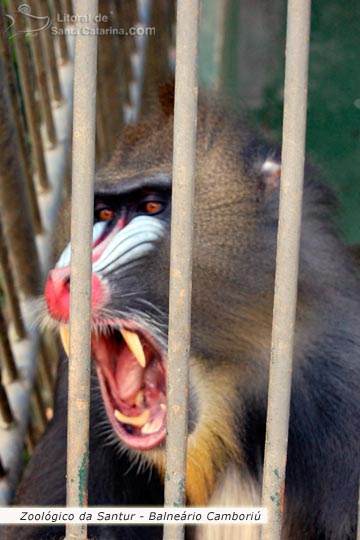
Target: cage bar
{"x":30,"y":104}
{"x":8,"y":366}
{"x":16,"y":219}
{"x":15,"y":101}
{"x":83,"y":170}
{"x":50,"y":56}
{"x":185,"y":120}
{"x":6,"y":415}
{"x":8,"y":285}
{"x":42,"y":82}
{"x":63,"y":47}
{"x":287,"y":262}
{"x":26,"y":349}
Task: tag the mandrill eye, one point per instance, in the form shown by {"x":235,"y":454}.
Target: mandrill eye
{"x":105,"y":214}
{"x":151,"y":207}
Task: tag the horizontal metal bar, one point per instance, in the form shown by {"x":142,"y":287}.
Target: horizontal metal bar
{"x":287,"y":262}
{"x":185,"y":121}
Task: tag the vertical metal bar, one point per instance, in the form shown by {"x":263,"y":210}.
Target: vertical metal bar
{"x":57,"y":13}
{"x":48,"y":42}
{"x":122,"y":62}
{"x":68,"y":7}
{"x":26,"y":351}
{"x":30,"y":103}
{"x":185,"y":120}
{"x":46,"y":355}
{"x":2,"y":470}
{"x":287,"y":260}
{"x":8,"y":365}
{"x":81,"y":244}
{"x":42,"y":81}
{"x":16,"y":218}
{"x":7,"y":282}
{"x":30,"y":439}
{"x":14,"y":96}
{"x":101,"y":150}
{"x":40,"y":419}
{"x":6,"y":415}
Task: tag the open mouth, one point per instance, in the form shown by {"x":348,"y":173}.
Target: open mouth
{"x":131,"y":369}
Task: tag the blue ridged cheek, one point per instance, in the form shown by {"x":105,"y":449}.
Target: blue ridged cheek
{"x":65,"y":257}
{"x":132,"y":243}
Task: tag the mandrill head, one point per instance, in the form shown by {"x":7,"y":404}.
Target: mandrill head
{"x":234,"y":236}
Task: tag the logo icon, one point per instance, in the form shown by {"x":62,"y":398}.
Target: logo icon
{"x":24,"y":9}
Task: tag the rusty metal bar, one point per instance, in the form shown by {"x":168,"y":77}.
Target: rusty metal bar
{"x":8,"y":285}
{"x":2,"y":470}
{"x":63,"y":46}
{"x":6,"y":415}
{"x":83,"y":170}
{"x":30,"y":439}
{"x":101,"y":147}
{"x":48,"y":352}
{"x":50,"y":56}
{"x":14,"y":96}
{"x":30,"y":104}
{"x":42,"y":81}
{"x":17,"y":223}
{"x":26,"y":350}
{"x":287,"y":262}
{"x":185,"y":120}
{"x":122,"y":62}
{"x":68,"y":7}
{"x":8,"y":365}
{"x":40,"y":419}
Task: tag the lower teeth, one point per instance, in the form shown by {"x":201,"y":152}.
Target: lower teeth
{"x":152,"y":427}
{"x":137,"y":421}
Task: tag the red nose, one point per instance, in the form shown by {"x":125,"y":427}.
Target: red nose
{"x":57,"y":293}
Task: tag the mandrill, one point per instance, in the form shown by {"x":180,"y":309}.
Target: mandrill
{"x":235,"y":229}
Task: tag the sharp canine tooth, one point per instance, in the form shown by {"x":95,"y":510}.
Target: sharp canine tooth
{"x":137,"y":421}
{"x":65,"y":337}
{"x":134,"y":344}
{"x":163,"y":406}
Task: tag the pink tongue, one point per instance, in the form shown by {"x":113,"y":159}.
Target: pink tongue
{"x":128,"y":376}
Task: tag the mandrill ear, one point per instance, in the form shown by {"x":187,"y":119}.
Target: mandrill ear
{"x":167,"y":97}
{"x":265,"y":164}
{"x":269,"y":173}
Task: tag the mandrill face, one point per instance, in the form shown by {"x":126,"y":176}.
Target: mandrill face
{"x":131,"y":227}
